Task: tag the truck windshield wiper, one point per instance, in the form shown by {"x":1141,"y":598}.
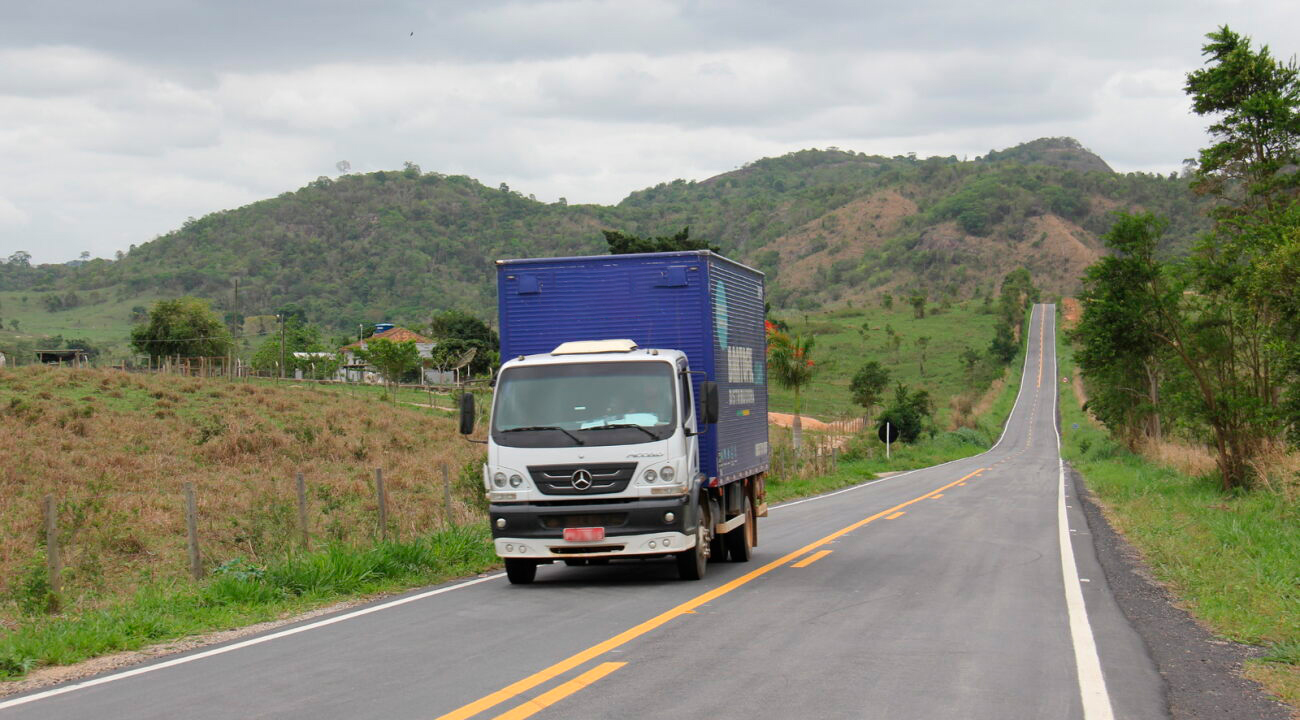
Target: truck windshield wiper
{"x":620,"y":426}
{"x":545,"y":427}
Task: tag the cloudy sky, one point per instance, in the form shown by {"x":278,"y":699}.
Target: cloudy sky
{"x":118,"y":120}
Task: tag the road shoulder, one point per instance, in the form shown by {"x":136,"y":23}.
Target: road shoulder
{"x":1202,"y":673}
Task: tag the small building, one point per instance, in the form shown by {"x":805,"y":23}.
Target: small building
{"x":75,"y":357}
{"x":353,"y":370}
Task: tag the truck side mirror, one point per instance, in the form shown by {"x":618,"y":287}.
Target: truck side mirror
{"x":709,"y":409}
{"x":467,"y":413}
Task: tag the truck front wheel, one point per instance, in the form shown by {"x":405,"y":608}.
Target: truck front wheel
{"x":521,"y":571}
{"x":692,"y":563}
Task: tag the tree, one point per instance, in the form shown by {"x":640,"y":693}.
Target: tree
{"x":1248,"y":268}
{"x":1004,"y":347}
{"x":1118,"y":338}
{"x":299,"y":337}
{"x":391,"y":359}
{"x":457,"y":331}
{"x":969,"y":359}
{"x":185,"y":326}
{"x":621,"y":243}
{"x":918,"y":305}
{"x":909,"y":413}
{"x":20,"y":259}
{"x":922,"y":343}
{"x":868,"y":384}
{"x":887,"y":301}
{"x":789,"y":362}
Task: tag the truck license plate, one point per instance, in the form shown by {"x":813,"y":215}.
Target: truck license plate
{"x":584,"y":534}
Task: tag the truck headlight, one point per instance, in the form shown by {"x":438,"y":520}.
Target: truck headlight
{"x":667,"y":473}
{"x":499,"y":479}
{"x":516,"y":481}
{"x":649,"y":475}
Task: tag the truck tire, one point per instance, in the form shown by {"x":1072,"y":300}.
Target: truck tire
{"x":741,"y":541}
{"x":521,"y":571}
{"x":691,"y":563}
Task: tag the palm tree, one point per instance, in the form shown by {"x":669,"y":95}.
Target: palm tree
{"x":789,"y":362}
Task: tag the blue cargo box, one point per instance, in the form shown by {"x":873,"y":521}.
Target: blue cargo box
{"x":695,"y":301}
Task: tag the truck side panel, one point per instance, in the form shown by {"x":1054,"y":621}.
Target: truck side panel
{"x":740,"y":363}
{"x":658,"y":300}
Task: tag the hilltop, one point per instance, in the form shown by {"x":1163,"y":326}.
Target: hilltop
{"x":828,"y":226}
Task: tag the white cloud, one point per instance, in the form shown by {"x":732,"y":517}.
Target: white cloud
{"x":138,"y":118}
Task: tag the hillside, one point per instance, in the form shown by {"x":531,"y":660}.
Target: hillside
{"x":826,"y":225}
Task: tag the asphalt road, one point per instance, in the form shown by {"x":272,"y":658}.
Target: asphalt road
{"x":941,"y":593}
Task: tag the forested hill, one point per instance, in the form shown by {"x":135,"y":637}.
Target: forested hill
{"x":826,"y":225}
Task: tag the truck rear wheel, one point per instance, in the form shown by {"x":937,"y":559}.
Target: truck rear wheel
{"x":521,"y":571}
{"x":741,"y":540}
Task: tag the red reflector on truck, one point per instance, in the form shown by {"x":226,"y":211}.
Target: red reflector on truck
{"x":584,"y":534}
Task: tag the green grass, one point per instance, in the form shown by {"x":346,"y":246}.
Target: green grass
{"x":107,"y":322}
{"x":841,"y":349}
{"x":240,"y":593}
{"x":865,"y":455}
{"x":1233,"y":560}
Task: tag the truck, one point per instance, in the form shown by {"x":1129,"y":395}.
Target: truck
{"x":629,"y":415}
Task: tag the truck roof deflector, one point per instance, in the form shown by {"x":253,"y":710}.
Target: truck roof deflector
{"x":583,"y":347}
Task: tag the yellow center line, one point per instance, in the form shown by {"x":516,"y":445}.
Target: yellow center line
{"x":896,"y":515}
{"x":935,"y":497}
{"x":812,"y":558}
{"x":520,"y":686}
{"x":1042,"y":328}
{"x":550,"y":697}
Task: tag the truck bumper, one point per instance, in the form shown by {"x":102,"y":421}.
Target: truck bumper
{"x":633,"y":527}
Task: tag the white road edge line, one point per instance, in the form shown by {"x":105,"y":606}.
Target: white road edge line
{"x":239,"y":645}
{"x":420,"y":596}
{"x":1092,"y":684}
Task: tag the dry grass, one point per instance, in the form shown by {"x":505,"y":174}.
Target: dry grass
{"x":115,"y":449}
{"x":1186,"y":458}
{"x":1278,"y":470}
{"x":965,"y":409}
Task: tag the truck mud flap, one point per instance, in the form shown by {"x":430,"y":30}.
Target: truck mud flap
{"x":761,"y":510}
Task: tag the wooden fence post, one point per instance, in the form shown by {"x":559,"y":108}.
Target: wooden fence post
{"x":192,"y":528}
{"x":381,"y":498}
{"x":302,"y":512}
{"x":446,"y":495}
{"x":53,"y":559}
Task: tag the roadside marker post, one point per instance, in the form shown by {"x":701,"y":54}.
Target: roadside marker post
{"x":53,"y":560}
{"x":381,"y":498}
{"x":192,"y":529}
{"x":446,"y":495}
{"x":302,"y":512}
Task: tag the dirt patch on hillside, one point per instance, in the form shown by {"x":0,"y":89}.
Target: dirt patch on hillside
{"x":842,"y":234}
{"x":1072,"y":310}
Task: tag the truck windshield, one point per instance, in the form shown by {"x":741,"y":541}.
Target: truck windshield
{"x":607,"y":403}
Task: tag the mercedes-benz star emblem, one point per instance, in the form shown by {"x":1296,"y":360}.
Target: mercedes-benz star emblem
{"x":581,"y":480}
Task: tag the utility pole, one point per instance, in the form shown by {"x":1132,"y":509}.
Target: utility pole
{"x":281,"y":319}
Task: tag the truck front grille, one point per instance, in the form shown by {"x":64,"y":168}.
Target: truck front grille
{"x":607,"y":520}
{"x":603,"y":478}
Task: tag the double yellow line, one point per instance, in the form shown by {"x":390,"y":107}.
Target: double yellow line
{"x":528,"y":708}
